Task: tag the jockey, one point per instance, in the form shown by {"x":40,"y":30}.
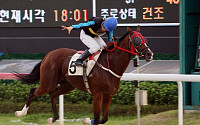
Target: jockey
{"x":90,"y":35}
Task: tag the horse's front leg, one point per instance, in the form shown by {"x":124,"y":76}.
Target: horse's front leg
{"x":101,"y":103}
{"x":105,"y":107}
{"x":98,"y":98}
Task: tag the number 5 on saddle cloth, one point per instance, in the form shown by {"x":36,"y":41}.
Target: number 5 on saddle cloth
{"x":74,"y":70}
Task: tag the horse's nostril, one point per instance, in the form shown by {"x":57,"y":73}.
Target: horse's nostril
{"x":149,"y":56}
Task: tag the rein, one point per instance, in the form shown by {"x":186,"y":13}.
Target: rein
{"x":132,"y":52}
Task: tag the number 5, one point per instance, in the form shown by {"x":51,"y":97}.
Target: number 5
{"x":72,"y":68}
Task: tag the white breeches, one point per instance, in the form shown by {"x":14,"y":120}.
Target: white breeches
{"x":94,"y":44}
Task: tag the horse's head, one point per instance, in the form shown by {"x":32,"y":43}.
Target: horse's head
{"x":139,"y":44}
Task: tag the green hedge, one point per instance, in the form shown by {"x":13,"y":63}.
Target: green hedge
{"x":158,"y":93}
{"x":42,"y":55}
{"x":22,"y":56}
{"x":83,"y":108}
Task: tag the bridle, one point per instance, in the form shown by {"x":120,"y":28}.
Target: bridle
{"x":133,"y":48}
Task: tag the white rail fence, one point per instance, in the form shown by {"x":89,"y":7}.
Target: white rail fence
{"x":179,"y":78}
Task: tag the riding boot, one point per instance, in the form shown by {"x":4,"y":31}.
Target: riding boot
{"x":84,"y":55}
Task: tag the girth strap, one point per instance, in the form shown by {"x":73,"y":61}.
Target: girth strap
{"x":85,"y":79}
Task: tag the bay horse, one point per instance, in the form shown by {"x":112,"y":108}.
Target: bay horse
{"x":53,"y":70}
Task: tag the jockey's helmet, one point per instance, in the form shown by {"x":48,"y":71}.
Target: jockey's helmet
{"x":110,"y":24}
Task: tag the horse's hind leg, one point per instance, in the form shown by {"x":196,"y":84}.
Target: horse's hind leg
{"x":64,"y":88}
{"x":33,"y":93}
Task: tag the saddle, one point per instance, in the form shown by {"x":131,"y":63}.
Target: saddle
{"x":74,"y":70}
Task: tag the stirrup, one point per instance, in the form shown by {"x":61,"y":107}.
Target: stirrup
{"x":80,"y":63}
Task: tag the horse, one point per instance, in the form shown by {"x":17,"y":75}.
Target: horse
{"x":52,"y":72}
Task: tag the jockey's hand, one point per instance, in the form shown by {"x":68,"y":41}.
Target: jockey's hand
{"x":67,"y":28}
{"x":110,"y":46}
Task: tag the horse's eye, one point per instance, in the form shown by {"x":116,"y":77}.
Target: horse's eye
{"x":137,"y":41}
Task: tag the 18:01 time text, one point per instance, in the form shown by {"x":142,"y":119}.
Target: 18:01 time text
{"x":65,"y":15}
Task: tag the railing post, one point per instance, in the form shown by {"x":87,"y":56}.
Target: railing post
{"x":137,"y":85}
{"x":180,"y":103}
{"x":61,"y":109}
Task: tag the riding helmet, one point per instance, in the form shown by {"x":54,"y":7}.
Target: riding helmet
{"x":110,"y":24}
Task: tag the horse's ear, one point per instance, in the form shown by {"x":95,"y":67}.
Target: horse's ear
{"x":129,"y":30}
{"x":138,"y":28}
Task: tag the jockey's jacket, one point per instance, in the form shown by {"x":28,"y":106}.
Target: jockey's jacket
{"x":93,"y":28}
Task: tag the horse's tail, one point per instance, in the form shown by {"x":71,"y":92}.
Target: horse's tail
{"x":33,"y":77}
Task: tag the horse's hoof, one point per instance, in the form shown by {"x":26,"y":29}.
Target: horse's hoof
{"x":49,"y":120}
{"x":86,"y":121}
{"x":19,"y":114}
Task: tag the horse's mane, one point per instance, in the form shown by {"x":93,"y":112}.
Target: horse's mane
{"x":122,"y":38}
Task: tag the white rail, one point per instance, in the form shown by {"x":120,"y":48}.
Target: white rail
{"x":161,"y":77}
{"x":166,"y":77}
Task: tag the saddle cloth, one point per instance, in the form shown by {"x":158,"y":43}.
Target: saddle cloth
{"x":74,"y":70}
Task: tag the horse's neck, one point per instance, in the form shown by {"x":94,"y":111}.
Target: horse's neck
{"x":119,"y":59}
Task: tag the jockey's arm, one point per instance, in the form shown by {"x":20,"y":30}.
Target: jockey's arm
{"x":78,"y":26}
{"x":111,"y":36}
{"x":111,"y":39}
{"x":81,"y":25}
